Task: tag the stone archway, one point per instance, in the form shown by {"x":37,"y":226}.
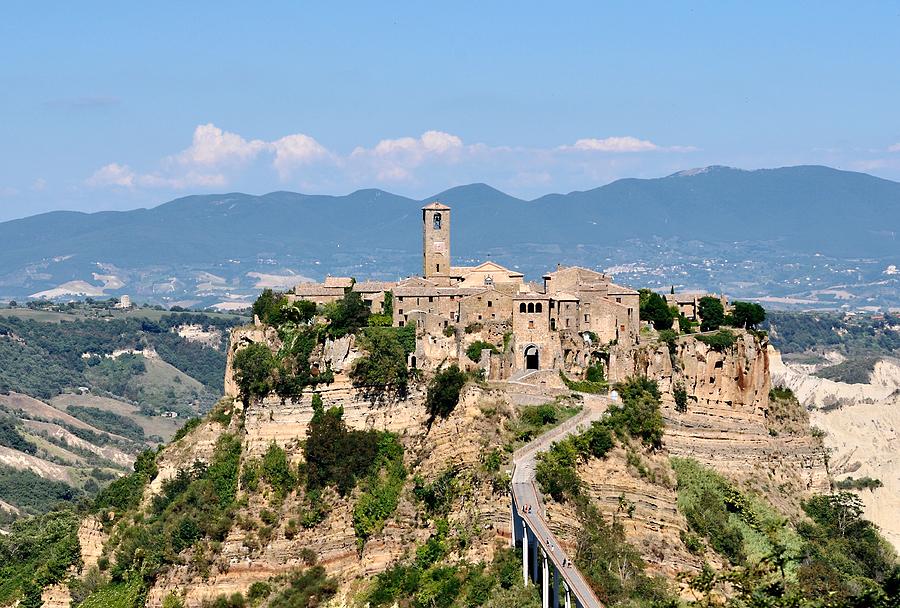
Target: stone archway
{"x":532,"y":358}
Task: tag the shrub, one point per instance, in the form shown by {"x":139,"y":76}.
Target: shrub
{"x":639,"y":414}
{"x":276,"y":471}
{"x":473,"y":351}
{"x":863,"y":483}
{"x":253,"y":367}
{"x":443,"y":392}
{"x":681,"y":398}
{"x":472,"y":328}
{"x":310,"y":588}
{"x":719,"y":341}
{"x":380,"y":489}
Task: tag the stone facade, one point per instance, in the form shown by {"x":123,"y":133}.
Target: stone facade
{"x":572,"y":305}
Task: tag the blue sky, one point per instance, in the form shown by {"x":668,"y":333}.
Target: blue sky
{"x":109,"y":105}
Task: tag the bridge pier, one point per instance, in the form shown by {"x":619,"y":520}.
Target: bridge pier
{"x":555,"y":592}
{"x":525,"y":555}
{"x":545,"y":584}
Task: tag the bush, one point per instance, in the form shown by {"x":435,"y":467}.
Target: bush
{"x":309,"y":588}
{"x":719,"y":341}
{"x":253,"y":367}
{"x":681,"y":398}
{"x":380,"y":489}
{"x":472,"y":328}
{"x":443,"y":392}
{"x":347,"y":315}
{"x":473,"y":351}
{"x":276,"y":471}
{"x":863,"y":483}
{"x":638,"y":415}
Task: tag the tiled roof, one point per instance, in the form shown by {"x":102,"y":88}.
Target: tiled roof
{"x":436,"y":206}
{"x":373,"y":286}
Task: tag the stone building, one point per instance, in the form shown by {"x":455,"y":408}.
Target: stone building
{"x":487,"y":301}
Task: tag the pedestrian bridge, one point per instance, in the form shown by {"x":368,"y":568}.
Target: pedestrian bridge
{"x":544,"y":561}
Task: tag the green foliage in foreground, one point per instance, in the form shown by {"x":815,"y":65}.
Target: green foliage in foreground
{"x":427,"y":581}
{"x":125,"y":594}
{"x":37,"y":552}
{"x":584,"y":386}
{"x":194,"y":506}
{"x":653,"y":308}
{"x":382,"y":370}
{"x":613,"y":568}
{"x":380,"y":489}
{"x":307,"y":588}
{"x":337,"y":456}
{"x":835,"y":559}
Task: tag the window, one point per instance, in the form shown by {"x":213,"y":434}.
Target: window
{"x":522,"y":307}
{"x":436,"y":221}
{"x":400,"y":323}
{"x":552,"y":303}
{"x":479,"y":317}
{"x":538,"y":307}
{"x":400,"y":311}
{"x":531,"y":307}
{"x":619,"y":300}
{"x":530,"y":324}
{"x":587,"y":318}
{"x":400,"y":298}
{"x":438,"y":267}
{"x":431,"y":298}
{"x":490,"y":304}
{"x":567,"y":321}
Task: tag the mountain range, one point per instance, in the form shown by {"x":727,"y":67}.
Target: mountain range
{"x":805,"y":235}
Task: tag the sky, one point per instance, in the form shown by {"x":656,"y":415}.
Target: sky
{"x":112,"y":105}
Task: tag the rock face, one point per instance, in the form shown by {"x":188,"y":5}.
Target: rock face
{"x":456,"y":442}
{"x":729,"y":425}
{"x":861,"y":423}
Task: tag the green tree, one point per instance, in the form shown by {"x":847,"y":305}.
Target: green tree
{"x":383,"y":369}
{"x":712,"y":313}
{"x":747,"y":314}
{"x":653,"y":308}
{"x":347,"y":315}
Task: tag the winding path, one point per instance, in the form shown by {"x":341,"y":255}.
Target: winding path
{"x":529,"y":524}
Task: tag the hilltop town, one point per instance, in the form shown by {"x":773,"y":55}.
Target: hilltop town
{"x":576,"y":316}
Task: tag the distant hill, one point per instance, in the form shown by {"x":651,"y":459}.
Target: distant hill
{"x":214,"y":248}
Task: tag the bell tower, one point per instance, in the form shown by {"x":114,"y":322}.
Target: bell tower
{"x":436,"y":242}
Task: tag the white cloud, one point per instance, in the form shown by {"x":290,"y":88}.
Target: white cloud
{"x":112,"y":174}
{"x":614,"y":144}
{"x":213,"y":147}
{"x":217,"y":157}
{"x":295,"y":151}
{"x":894,"y":148}
{"x":39,"y":185}
{"x":622,"y":145}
